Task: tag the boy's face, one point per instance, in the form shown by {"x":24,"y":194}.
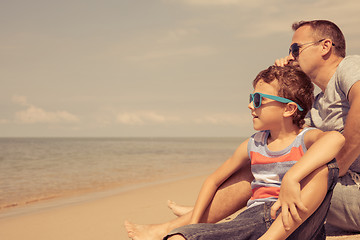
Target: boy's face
{"x":270,"y":113}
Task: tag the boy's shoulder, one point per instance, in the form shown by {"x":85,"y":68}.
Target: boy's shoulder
{"x":311,"y":131}
{"x":312,"y":135}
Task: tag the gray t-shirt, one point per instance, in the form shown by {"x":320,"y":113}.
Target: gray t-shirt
{"x":331,"y":107}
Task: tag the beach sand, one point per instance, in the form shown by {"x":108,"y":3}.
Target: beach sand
{"x":103,"y":218}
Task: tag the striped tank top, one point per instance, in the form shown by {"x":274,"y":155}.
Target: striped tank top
{"x":269,"y":167}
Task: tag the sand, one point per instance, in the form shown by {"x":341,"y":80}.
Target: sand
{"x":103,"y":217}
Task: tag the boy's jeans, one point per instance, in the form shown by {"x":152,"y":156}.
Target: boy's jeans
{"x":254,"y":222}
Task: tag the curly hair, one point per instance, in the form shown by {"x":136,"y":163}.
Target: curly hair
{"x":294,"y":84}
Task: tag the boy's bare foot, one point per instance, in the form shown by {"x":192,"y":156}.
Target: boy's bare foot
{"x":144,"y":232}
{"x":178,"y":210}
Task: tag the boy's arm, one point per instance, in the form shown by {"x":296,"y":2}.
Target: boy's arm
{"x":322,"y":148}
{"x":213,"y":182}
{"x":313,"y":192}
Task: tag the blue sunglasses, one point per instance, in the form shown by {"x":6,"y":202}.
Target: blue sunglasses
{"x":255,"y":98}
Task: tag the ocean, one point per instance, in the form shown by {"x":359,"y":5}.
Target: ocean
{"x":37,"y":169}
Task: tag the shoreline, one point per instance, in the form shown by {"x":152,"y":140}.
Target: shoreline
{"x":82,"y":196}
{"x":102,"y":217}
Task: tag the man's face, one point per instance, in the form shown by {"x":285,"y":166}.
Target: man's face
{"x":309,"y":51}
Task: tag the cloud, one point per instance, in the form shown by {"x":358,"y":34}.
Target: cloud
{"x":143,"y":118}
{"x":33,"y":114}
{"x":225,"y":119}
{"x":150,"y":117}
{"x":4,"y":121}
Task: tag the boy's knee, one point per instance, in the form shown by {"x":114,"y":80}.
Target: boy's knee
{"x":177,"y":237}
{"x":320,"y":174}
{"x":323,"y":171}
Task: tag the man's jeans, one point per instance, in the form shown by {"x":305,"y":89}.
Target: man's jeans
{"x":344,"y":213}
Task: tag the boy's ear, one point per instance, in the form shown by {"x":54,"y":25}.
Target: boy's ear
{"x":290,"y":109}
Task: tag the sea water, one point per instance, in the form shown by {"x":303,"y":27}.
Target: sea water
{"x":36,"y":169}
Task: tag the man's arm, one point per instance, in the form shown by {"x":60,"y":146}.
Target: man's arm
{"x":351,"y":149}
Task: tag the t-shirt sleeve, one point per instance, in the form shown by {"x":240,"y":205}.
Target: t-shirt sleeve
{"x":349,"y":73}
{"x":307,"y":119}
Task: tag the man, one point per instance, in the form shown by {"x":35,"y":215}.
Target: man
{"x":318,"y":47}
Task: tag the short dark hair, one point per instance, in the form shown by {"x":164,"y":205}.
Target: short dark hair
{"x":326,"y":29}
{"x":294,"y":84}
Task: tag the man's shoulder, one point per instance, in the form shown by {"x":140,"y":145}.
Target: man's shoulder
{"x":348,"y":72}
{"x":351,"y":59}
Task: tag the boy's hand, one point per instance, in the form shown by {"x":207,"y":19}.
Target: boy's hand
{"x":289,"y":199}
{"x":284,"y":61}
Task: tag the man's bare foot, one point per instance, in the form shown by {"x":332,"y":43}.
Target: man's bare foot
{"x":178,"y":210}
{"x":145,"y":232}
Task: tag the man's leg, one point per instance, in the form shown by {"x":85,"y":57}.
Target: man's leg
{"x":344,"y":213}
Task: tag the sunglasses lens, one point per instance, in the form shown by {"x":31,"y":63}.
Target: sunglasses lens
{"x":257,"y":100}
{"x":294,"y":50}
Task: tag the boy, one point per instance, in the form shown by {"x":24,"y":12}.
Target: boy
{"x":282,"y":153}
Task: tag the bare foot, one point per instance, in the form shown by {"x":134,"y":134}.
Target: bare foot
{"x":145,"y":232}
{"x":178,"y":210}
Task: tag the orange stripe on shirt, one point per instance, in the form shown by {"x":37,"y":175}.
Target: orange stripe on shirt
{"x":294,"y":155}
{"x":265,"y":192}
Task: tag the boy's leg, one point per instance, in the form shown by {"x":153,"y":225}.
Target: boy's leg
{"x":232,"y":195}
{"x":253,"y":223}
{"x":176,"y":237}
{"x":249,"y":224}
{"x":317,"y":219}
{"x":316,"y":196}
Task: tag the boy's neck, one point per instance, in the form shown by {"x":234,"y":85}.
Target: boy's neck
{"x":281,"y":138}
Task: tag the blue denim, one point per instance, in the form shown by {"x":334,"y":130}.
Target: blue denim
{"x":254,"y":222}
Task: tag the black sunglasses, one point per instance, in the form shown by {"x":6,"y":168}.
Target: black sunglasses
{"x":295,"y":47}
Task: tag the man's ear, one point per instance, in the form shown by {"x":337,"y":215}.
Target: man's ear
{"x":290,"y":109}
{"x":326,"y":46}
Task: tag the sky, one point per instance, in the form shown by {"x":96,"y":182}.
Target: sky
{"x":145,"y":68}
